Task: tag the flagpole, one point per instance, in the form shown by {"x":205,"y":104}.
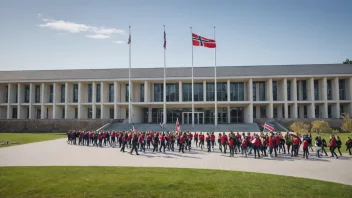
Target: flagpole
{"x":215,"y":87}
{"x":192,"y":84}
{"x":164,"y":106}
{"x":129,"y":80}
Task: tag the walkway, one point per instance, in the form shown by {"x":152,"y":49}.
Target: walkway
{"x":59,"y":153}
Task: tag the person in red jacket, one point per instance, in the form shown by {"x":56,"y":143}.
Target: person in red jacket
{"x":201,"y":140}
{"x":305,"y":149}
{"x":256,"y":146}
{"x":196,"y":138}
{"x":162,"y":143}
{"x":149,"y":139}
{"x":224,"y":141}
{"x":219,"y":142}
{"x":332,"y":146}
{"x":232,"y":145}
{"x":129,"y":140}
{"x":271,"y":145}
{"x":212,"y":139}
{"x":295,"y":146}
{"x":244,"y":145}
{"x":181,"y":143}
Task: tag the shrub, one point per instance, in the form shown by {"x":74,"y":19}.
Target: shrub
{"x":320,"y":126}
{"x":346,"y":125}
{"x":299,"y":127}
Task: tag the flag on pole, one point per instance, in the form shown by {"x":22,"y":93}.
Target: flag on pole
{"x":133,"y":129}
{"x":177,"y":125}
{"x":129,"y":39}
{"x":268,"y":127}
{"x":202,"y":41}
{"x":164,"y":40}
{"x":162,"y":125}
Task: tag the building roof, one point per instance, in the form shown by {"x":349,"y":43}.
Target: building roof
{"x":178,"y":72}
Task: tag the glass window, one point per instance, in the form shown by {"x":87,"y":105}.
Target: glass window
{"x":297,"y":83}
{"x":127,"y":87}
{"x":75,"y":93}
{"x":111,"y":113}
{"x":26,"y":93}
{"x":51,"y":95}
{"x":14,"y":112}
{"x":254,"y":112}
{"x":16,"y":93}
{"x":221,"y":91}
{"x":172,"y":92}
{"x":97,"y":93}
{"x":6,"y":94}
{"x":316,"y":89}
{"x":237,"y":91}
{"x":90,"y":92}
{"x":62,"y":93}
{"x":329,"y":90}
{"x":289,"y":90}
{"x":63,"y":112}
{"x":111,"y":93}
{"x":198,"y":91}
{"x":90,"y":113}
{"x":261,"y":91}
{"x":37,"y":94}
{"x":254,"y":89}
{"x":76,"y":112}
{"x":262,"y":112}
{"x":97,"y":113}
{"x":141,"y":90}
{"x":317,"y":111}
{"x":305,"y":111}
{"x":186,"y":92}
{"x":275,"y":90}
{"x":304,"y":89}
{"x":210,"y":91}
{"x":158,"y":92}
{"x":329,"y":111}
{"x":342,"y":85}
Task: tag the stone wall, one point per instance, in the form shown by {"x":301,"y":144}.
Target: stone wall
{"x":49,"y":125}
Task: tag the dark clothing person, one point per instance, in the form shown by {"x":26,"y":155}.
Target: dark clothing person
{"x":134,"y":144}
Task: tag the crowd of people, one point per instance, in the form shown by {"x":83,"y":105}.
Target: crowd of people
{"x":263,"y":144}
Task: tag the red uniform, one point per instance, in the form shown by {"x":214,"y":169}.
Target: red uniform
{"x":223,"y":139}
{"x":244,"y":143}
{"x":201,"y":137}
{"x":212,"y":137}
{"x":332,"y":142}
{"x":162,"y":138}
{"x":123,"y":138}
{"x":231,"y":142}
{"x":149,"y":137}
{"x":195,"y":135}
{"x":182,"y":140}
{"x":305,"y":144}
{"x":113,"y":134}
{"x":130,"y":136}
{"x":271,"y":142}
{"x":295,"y":141}
{"x":277,"y":141}
{"x":256,"y":142}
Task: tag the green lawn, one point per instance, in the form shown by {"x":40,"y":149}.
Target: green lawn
{"x":24,"y":138}
{"x":343,"y":137}
{"x":157,"y":182}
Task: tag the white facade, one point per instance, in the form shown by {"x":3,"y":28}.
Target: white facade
{"x":320,"y":96}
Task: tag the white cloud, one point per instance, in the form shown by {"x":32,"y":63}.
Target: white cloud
{"x":98,"y":36}
{"x":39,"y":15}
{"x":72,"y":27}
{"x":119,"y":42}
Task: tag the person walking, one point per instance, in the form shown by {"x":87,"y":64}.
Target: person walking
{"x":232,"y":145}
{"x":348,"y":145}
{"x":244,"y":145}
{"x":196,"y":138}
{"x":332,"y":146}
{"x":162,"y":143}
{"x":338,"y":144}
{"x":305,"y":148}
{"x":201,"y":140}
{"x":224,"y":141}
{"x":209,"y":142}
{"x":181,"y":143}
{"x":219,"y":142}
{"x":212,"y":139}
{"x":155,"y":143}
{"x":134,"y":144}
{"x":323,"y":145}
{"x":288,"y":140}
{"x":318,"y":146}
{"x":124,"y":141}
{"x":256,"y":145}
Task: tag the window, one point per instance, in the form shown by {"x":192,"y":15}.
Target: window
{"x":26,"y":93}
{"x":261,"y":91}
{"x":76,"y":113}
{"x":141,"y":90}
{"x":304,"y":89}
{"x":289,"y":90}
{"x":90,"y":92}
{"x":198,"y":91}
{"x":51,"y":93}
{"x":221,"y":91}
{"x":342,"y":93}
{"x":329,"y":89}
{"x":172,"y":92}
{"x":317,"y":111}
{"x":275,"y":112}
{"x":111,"y":113}
{"x":305,"y":111}
{"x":16,"y":93}
{"x":111,"y":93}
{"x":63,"y":93}
{"x":37,"y":94}
{"x":14,"y":113}
{"x":127,"y":97}
{"x":237,"y":91}
{"x":254,"y":88}
{"x":63,"y":112}
{"x":316,"y":90}
{"x":254,"y":112}
{"x":275,"y":90}
{"x":329,"y":111}
{"x":262,"y":112}
{"x":342,"y":110}
{"x":210,"y":91}
{"x":97,"y":94}
{"x":186,"y":92}
{"x":90,"y":113}
{"x":97,"y":113}
{"x":6,"y":94}
{"x":75,"y":93}
{"x":158,"y":92}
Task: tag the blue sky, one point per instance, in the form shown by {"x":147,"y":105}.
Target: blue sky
{"x":70,"y":34}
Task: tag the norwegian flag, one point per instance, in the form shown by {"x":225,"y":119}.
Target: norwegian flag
{"x":268,"y":126}
{"x":177,"y":125}
{"x":202,"y":41}
{"x":164,"y":40}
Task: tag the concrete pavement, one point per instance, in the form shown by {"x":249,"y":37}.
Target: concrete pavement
{"x":59,"y":153}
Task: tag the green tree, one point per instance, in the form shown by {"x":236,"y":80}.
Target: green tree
{"x":320,"y":126}
{"x":347,"y":61}
{"x":299,"y":127}
{"x":346,"y":125}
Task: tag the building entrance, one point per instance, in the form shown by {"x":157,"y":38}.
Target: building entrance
{"x":187,"y":117}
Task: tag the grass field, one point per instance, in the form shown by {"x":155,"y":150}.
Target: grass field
{"x":157,"y":182}
{"x":24,"y":138}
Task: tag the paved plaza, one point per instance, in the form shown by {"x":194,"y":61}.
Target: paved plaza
{"x":59,"y":153}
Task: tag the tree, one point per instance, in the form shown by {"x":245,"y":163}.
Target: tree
{"x":347,"y":61}
{"x":299,"y":127}
{"x":346,"y":125}
{"x":321,"y":126}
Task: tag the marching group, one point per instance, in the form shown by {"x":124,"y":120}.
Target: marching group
{"x":263,"y":144}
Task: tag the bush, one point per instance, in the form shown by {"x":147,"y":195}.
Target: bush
{"x":299,"y":127}
{"x":346,"y":125}
{"x":321,"y":126}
